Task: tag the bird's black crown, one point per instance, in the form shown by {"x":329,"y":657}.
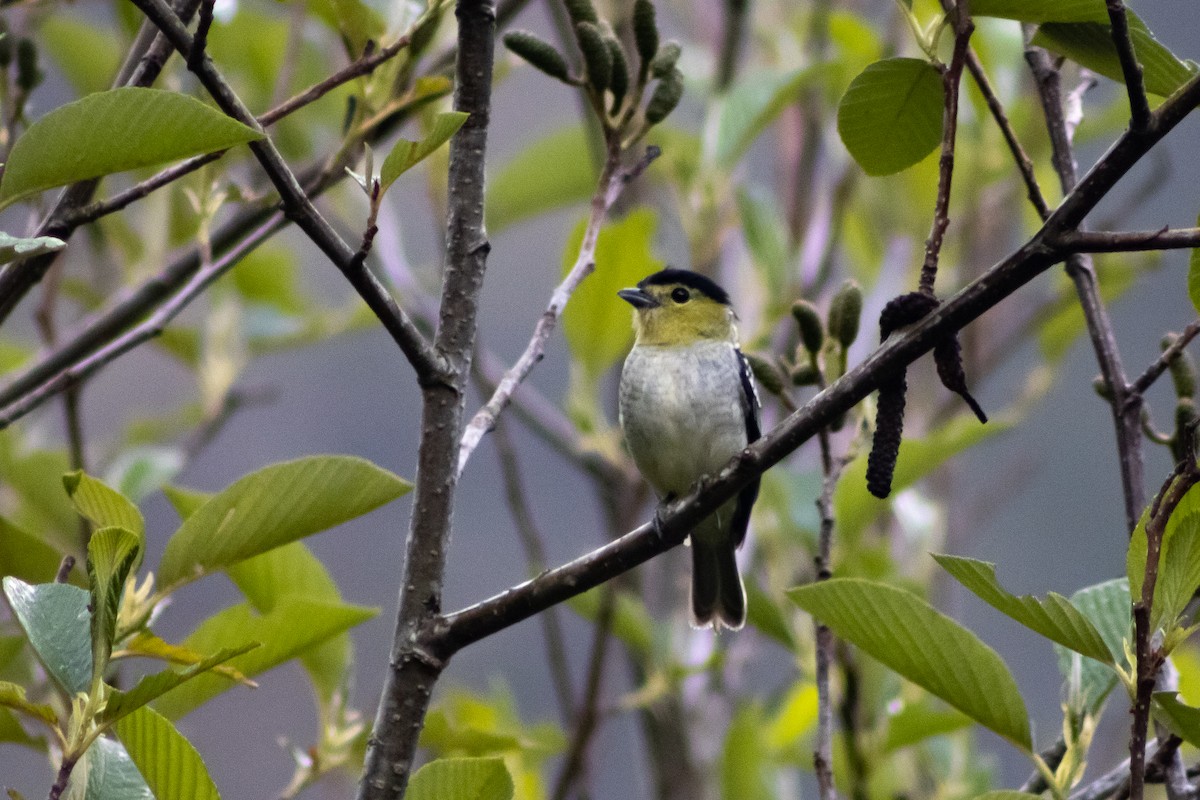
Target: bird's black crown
{"x":692,"y":280}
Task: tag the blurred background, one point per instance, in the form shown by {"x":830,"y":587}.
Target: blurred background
{"x":1041,"y":498}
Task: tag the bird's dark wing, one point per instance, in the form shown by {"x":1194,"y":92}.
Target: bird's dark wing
{"x":750,"y":406}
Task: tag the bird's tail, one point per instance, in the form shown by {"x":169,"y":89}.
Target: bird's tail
{"x":718,"y":597}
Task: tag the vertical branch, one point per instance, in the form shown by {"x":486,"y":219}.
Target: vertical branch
{"x":1135,"y":87}
{"x":823,"y":749}
{"x":951,"y":77}
{"x":413,"y":669}
{"x":1126,"y":405}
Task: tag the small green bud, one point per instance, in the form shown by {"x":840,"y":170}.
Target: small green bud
{"x":766,"y":373}
{"x":539,"y":53}
{"x":581,"y":11}
{"x":845,"y":311}
{"x":664,"y":61}
{"x":28,"y":74}
{"x":1183,"y":369}
{"x":665,"y":98}
{"x":1101,"y":387}
{"x":619,"y":81}
{"x":1185,"y":413}
{"x":595,"y":55}
{"x":808,"y":320}
{"x":805,"y":374}
{"x":645,"y":35}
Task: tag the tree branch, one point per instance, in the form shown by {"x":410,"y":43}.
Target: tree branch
{"x":1129,"y":241}
{"x":414,"y":668}
{"x":298,"y":207}
{"x":1139,"y":105}
{"x":1160,"y":365}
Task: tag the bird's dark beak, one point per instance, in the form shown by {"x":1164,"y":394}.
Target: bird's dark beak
{"x":638,"y":298}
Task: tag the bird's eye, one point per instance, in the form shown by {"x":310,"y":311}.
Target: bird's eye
{"x":680,"y":295}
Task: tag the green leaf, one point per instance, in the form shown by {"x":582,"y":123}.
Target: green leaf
{"x":151,"y":687}
{"x":747,"y":771}
{"x":855,"y":508}
{"x":1055,"y":617}
{"x":12,"y":732}
{"x":293,"y":571}
{"x":290,"y":629}
{"x":753,"y":103}
{"x":632,"y":623}
{"x":763,"y":228}
{"x":271,"y":507}
{"x":891,"y":115}
{"x":185,"y":501}
{"x":405,"y":154}
{"x":1183,"y":720}
{"x":111,"y":555}
{"x":1193,"y":278}
{"x":1090,"y":44}
{"x":139,"y":471}
{"x":1178,"y":562}
{"x":1007,"y":794}
{"x":597,"y":324}
{"x":146,"y":644}
{"x":15,"y":249}
{"x":268,"y":276}
{"x":462,"y":779}
{"x":88,"y":53}
{"x":170,"y":765}
{"x":1039,"y":11}
{"x":114,"y":131}
{"x":916,"y":722}
{"x":25,"y":556}
{"x":925,"y":646}
{"x":13,"y":696}
{"x":766,"y":615}
{"x":552,"y":172}
{"x":103,"y":505}
{"x":56,"y":621}
{"x":1107,"y":606}
{"x":107,"y":772}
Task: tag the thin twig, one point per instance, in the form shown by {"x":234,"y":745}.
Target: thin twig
{"x":1135,"y":87}
{"x":299,"y":208}
{"x":1129,"y":241}
{"x":732,"y":34}
{"x":609,"y":187}
{"x":64,"y":569}
{"x":535,"y":558}
{"x":200,"y":41}
{"x":823,"y":748}
{"x":1126,"y":418}
{"x":151,"y":327}
{"x":951,"y":77}
{"x":1160,"y":365}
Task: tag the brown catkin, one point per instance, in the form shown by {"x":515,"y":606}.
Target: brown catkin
{"x":947,"y":355}
{"x":889,"y":429}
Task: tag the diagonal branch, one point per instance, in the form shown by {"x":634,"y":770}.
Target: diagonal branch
{"x":299,"y":208}
{"x":612,"y":182}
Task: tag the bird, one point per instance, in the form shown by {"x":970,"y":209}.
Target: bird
{"x":687,"y":405}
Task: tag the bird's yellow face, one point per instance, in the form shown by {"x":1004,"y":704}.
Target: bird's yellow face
{"x":667,"y":314}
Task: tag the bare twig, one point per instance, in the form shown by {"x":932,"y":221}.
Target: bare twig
{"x":299,"y":208}
{"x":1129,"y":241}
{"x":1139,"y":105}
{"x":1160,"y":365}
{"x":64,"y":569}
{"x":200,"y":41}
{"x":1126,"y":417}
{"x":823,"y":748}
{"x":535,"y":557}
{"x":151,"y":327}
{"x":612,"y":181}
{"x":951,"y":77}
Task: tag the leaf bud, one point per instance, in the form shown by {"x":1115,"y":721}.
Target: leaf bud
{"x":1101,"y":387}
{"x":28,"y":74}
{"x":595,"y":55}
{"x":581,"y":11}
{"x":664,"y":61}
{"x":666,"y":96}
{"x":618,"y":82}
{"x":766,"y":373}
{"x":805,"y":374}
{"x":845,"y":312}
{"x":1183,"y":369}
{"x":645,"y":35}
{"x":808,"y":320}
{"x":538,"y":52}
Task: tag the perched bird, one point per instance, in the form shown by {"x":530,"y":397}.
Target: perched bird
{"x":687,"y":406}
